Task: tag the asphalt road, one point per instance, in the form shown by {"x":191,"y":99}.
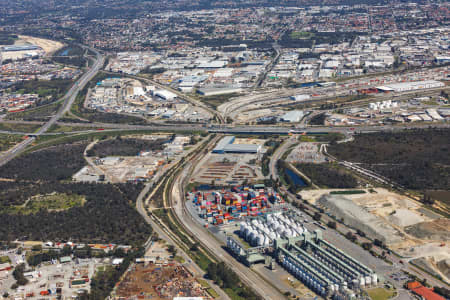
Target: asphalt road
{"x":69,"y":98}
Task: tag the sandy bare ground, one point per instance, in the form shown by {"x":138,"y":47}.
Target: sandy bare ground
{"x":425,"y":234}
{"x":48,"y":46}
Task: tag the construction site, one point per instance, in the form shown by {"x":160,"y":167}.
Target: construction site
{"x":142,"y":166}
{"x":403,"y":224}
{"x":320,"y":266}
{"x":306,"y":153}
{"x":151,"y":281}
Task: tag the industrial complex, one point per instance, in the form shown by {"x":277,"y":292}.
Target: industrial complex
{"x":319,"y":265}
{"x":226,"y":145}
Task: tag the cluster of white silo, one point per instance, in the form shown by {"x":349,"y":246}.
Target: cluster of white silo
{"x":368,"y":280}
{"x":382,"y":105}
{"x":262,"y":232}
{"x":235,"y":247}
{"x":256,"y":233}
{"x":308,"y":278}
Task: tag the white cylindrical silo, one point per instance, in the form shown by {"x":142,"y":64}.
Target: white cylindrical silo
{"x":374,"y":278}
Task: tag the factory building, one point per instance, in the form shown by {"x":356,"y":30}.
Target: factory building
{"x":20,"y":48}
{"x":219,"y":91}
{"x":326,"y":270}
{"x":225,"y":145}
{"x":410,"y":86}
{"x":165,"y":95}
{"x":300,"y":97}
{"x":293,"y":116}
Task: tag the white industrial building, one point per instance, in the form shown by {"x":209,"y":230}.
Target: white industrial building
{"x":225,"y":145}
{"x":165,"y":94}
{"x":411,"y":86}
{"x":434,"y":114}
{"x":300,"y":97}
{"x":219,"y":91}
{"x":293,"y":116}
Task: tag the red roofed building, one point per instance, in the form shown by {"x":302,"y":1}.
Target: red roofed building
{"x":423,"y":292}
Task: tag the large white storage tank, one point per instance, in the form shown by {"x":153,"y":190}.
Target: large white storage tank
{"x":362,"y":281}
{"x":374,"y":278}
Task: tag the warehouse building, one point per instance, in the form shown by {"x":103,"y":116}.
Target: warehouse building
{"x":165,"y":95}
{"x":20,"y":48}
{"x":219,"y":91}
{"x":293,"y":116}
{"x":410,"y":86}
{"x":225,"y":145}
{"x":300,"y":97}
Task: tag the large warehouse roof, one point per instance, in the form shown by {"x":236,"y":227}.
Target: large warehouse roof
{"x":166,"y":95}
{"x":292,"y":116}
{"x":410,"y":86}
{"x":242,"y":148}
{"x":225,"y":145}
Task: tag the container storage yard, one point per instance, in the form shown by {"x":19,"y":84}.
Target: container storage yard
{"x":222,"y":207}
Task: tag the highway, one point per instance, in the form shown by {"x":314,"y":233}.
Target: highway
{"x":230,"y":129}
{"x":69,"y":98}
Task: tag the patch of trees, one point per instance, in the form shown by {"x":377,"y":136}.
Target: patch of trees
{"x":290,"y":41}
{"x":84,"y":252}
{"x":318,"y":119}
{"x":50,"y":164}
{"x":228,"y":279}
{"x":416,"y":159}
{"x":50,"y":90}
{"x":219,"y":43}
{"x":125,"y":147}
{"x":351,"y":237}
{"x":272,"y":145}
{"x":328,"y":175}
{"x":444,"y":292}
{"x":335,"y":37}
{"x":103,"y":117}
{"x":71,"y":55}
{"x":108,"y":216}
{"x":18,"y":275}
{"x":104,"y":281}
{"x":332,"y":224}
{"x":152,"y":71}
{"x":7,"y":39}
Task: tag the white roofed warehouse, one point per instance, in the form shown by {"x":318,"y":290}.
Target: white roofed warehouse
{"x":166,"y":95}
{"x":293,"y":116}
{"x":411,"y":86}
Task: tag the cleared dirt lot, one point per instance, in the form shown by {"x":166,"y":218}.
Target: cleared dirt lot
{"x":405,"y":225}
{"x":159,"y":282}
{"x":48,"y":46}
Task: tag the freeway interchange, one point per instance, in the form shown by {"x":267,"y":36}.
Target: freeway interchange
{"x":68,"y":100}
{"x":181,"y":171}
